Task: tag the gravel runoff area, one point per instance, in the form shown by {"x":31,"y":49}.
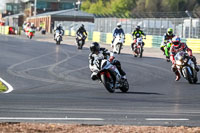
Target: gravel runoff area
{"x":66,"y":128}
{"x":17,"y":127}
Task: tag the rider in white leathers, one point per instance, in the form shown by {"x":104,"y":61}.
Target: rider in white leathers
{"x":96,"y":53}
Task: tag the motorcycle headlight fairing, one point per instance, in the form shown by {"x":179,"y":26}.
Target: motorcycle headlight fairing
{"x":179,"y":62}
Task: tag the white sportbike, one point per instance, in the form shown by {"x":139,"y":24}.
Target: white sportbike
{"x":109,"y":75}
{"x":118,"y":43}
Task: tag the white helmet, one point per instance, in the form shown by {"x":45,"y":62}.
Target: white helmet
{"x":32,"y":24}
{"x":119,"y":24}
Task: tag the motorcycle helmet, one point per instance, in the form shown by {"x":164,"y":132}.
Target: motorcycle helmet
{"x":169,"y":31}
{"x":119,"y":25}
{"x":137,"y":27}
{"x":176,"y":41}
{"x":32,"y":24}
{"x":59,"y":26}
{"x":82,"y":25}
{"x":94,"y":47}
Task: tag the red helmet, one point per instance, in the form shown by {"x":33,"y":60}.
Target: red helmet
{"x":176,"y":41}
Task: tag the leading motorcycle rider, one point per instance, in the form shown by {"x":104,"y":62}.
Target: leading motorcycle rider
{"x":97,"y":52}
{"x":176,"y":47}
{"x":60,"y":29}
{"x":117,"y":31}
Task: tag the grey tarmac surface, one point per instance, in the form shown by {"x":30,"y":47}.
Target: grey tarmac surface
{"x":52,"y":84}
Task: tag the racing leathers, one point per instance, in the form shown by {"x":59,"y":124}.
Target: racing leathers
{"x":174,"y":50}
{"x":103,"y":53}
{"x":137,"y":34}
{"x":82,"y":31}
{"x":61,"y":31}
{"x":117,"y":31}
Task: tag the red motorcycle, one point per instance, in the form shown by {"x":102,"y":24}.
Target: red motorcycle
{"x":137,"y":47}
{"x":31,"y":33}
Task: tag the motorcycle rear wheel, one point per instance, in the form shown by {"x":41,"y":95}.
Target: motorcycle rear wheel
{"x":141,"y":52}
{"x":108,"y":85}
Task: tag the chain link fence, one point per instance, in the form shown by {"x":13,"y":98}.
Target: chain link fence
{"x":183,"y":27}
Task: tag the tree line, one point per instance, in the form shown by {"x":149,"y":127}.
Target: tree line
{"x":128,"y":7}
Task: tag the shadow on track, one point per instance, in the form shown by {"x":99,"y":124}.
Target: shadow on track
{"x":141,"y":93}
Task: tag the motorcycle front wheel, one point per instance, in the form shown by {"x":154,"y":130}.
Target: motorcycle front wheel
{"x":119,"y":47}
{"x":58,"y":42}
{"x":108,"y":83}
{"x":141,"y":52}
{"x":188,"y":74}
{"x":125,"y":87}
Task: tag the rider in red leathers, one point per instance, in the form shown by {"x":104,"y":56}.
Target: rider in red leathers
{"x":177,"y":46}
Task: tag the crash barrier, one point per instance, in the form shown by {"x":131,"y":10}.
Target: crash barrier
{"x":150,"y":41}
{"x":4,"y":30}
{"x":194,"y":44}
{"x":107,"y":38}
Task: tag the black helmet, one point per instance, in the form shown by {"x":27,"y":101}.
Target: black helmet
{"x":137,"y":27}
{"x":94,"y":47}
{"x":82,"y":25}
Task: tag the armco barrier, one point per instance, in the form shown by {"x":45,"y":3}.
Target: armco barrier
{"x":194,"y":44}
{"x":4,"y":30}
{"x":96,"y":36}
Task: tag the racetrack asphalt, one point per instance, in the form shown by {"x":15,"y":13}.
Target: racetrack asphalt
{"x":52,"y":84}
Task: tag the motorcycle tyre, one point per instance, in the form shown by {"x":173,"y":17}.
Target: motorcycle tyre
{"x":188,"y":75}
{"x":141,"y":52}
{"x":195,"y":79}
{"x":125,"y":87}
{"x":58,"y":42}
{"x":106,"y":83}
{"x":119,"y":45}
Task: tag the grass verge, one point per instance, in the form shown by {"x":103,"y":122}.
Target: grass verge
{"x":3,"y":88}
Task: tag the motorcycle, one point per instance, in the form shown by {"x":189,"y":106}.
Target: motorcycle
{"x":80,"y":40}
{"x":30,"y":33}
{"x":58,"y":37}
{"x":117,"y":44}
{"x":109,"y":75}
{"x":186,"y":67}
{"x":137,"y":47}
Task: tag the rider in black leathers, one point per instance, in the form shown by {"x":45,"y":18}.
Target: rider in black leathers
{"x":82,"y":31}
{"x":60,"y":29}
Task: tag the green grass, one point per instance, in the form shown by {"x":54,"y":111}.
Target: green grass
{"x":2,"y":87}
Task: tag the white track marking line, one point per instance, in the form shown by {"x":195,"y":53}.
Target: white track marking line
{"x":10,"y":88}
{"x":166,"y":119}
{"x":62,"y":119}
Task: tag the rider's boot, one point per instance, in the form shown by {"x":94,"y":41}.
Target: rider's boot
{"x":162,"y":48}
{"x":197,"y":68}
{"x":178,"y":76}
{"x":167,"y":59}
{"x":195,"y":63}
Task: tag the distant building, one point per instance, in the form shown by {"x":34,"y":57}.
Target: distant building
{"x":12,"y":8}
{"x":47,"y":5}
